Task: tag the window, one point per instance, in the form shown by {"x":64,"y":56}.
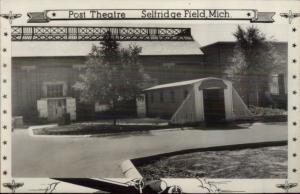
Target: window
{"x":277,"y":84}
{"x":28,"y":68}
{"x":79,"y":67}
{"x":274,"y":84}
{"x":161,"y":97}
{"x":172,"y":96}
{"x":54,"y":90}
{"x":185,"y":94}
{"x":168,"y":65}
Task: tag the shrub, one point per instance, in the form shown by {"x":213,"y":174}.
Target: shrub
{"x":266,"y":111}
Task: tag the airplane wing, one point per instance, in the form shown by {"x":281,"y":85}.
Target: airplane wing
{"x":296,"y":14}
{"x":284,"y":15}
{"x":5,"y":16}
{"x":17,"y":15}
{"x":291,"y":185}
{"x":17,"y":185}
{"x":101,"y":184}
{"x":281,"y":186}
{"x":8,"y":185}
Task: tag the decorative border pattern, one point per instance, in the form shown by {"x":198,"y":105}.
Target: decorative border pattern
{"x":84,"y":33}
{"x":5,"y":93}
{"x":293,"y":100}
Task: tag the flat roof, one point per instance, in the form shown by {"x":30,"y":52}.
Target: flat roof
{"x":73,"y":48}
{"x":232,"y":43}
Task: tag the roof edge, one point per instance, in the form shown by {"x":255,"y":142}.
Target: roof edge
{"x":180,"y":83}
{"x":231,"y":42}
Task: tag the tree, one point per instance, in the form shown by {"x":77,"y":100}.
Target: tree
{"x":112,"y":75}
{"x":254,"y":58}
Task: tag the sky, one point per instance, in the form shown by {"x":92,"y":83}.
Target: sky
{"x":209,"y":34}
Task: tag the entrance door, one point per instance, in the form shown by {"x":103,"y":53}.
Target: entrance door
{"x":214,"y":106}
{"x":56,"y":109}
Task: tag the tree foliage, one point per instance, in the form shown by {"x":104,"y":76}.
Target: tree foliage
{"x":112,"y":75}
{"x":253,"y":60}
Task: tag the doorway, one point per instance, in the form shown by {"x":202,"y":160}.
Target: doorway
{"x":56,"y":109}
{"x":214,"y":106}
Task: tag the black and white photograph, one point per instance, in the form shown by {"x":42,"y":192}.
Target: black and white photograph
{"x":148,"y":100}
{"x":143,"y":93}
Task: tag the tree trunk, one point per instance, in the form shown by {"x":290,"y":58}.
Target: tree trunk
{"x":246,"y":91}
{"x":257,"y":95}
{"x":248,"y":99}
{"x":114,"y":113}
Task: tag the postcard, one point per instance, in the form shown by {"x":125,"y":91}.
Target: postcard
{"x":150,"y":96}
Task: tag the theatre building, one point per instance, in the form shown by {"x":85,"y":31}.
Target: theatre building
{"x":43,"y":75}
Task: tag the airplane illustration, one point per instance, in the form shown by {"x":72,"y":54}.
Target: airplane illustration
{"x":13,"y":185}
{"x":10,"y":16}
{"x":290,"y":15}
{"x":286,"y":186}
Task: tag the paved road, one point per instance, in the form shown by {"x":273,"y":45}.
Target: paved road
{"x":101,"y":156}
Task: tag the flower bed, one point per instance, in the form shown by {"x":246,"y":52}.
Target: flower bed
{"x":94,"y":129}
{"x":265,"y":162}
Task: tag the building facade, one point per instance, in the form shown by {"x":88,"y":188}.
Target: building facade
{"x":218,"y":56}
{"x":43,"y":76}
{"x":43,"y":85}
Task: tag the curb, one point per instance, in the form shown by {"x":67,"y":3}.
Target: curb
{"x":30,"y":129}
{"x":129,"y":170}
{"x":31,"y":134}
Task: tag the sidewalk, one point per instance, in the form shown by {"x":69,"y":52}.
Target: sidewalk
{"x":102,"y":156}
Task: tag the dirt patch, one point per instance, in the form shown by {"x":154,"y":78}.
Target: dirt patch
{"x":266,"y":162}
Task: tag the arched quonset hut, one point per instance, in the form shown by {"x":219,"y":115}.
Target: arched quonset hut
{"x":207,"y":99}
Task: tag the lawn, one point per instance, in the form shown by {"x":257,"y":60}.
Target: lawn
{"x":266,"y":162}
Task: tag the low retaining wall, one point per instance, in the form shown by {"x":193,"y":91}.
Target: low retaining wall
{"x":149,"y":159}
